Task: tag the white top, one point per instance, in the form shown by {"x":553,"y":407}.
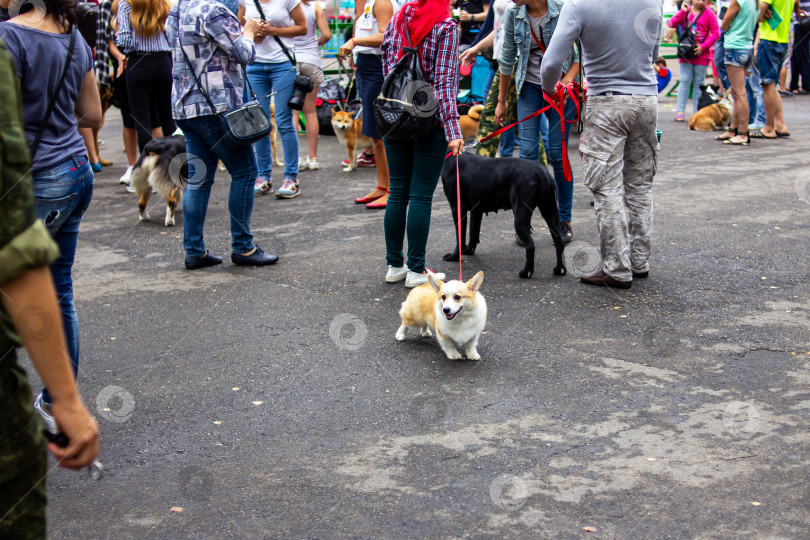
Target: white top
{"x":277,"y":13}
{"x":367,"y":26}
{"x":535,"y":52}
{"x":500,"y":11}
{"x":306,"y":46}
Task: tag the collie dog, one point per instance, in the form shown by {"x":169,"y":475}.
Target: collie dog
{"x":349,"y":131}
{"x":456,"y":311}
{"x":163,"y":166}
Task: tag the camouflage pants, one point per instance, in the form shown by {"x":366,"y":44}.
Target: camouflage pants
{"x":620,"y":159}
{"x":488,"y":124}
{"x":22,"y":457}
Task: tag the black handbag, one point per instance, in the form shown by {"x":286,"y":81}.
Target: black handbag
{"x":243,"y":125}
{"x":406,"y":107}
{"x":687,"y":43}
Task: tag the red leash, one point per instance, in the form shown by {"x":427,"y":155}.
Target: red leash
{"x":572,"y":90}
{"x":458,"y":210}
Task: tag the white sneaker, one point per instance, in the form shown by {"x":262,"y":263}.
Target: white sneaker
{"x":395,"y":274}
{"x":50,"y":423}
{"x":414,"y":279}
{"x":125,"y":179}
{"x":308,"y":164}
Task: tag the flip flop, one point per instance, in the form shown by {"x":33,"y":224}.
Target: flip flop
{"x":759,"y":135}
{"x":782,"y":134}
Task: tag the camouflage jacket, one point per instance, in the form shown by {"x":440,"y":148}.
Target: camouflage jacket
{"x":24,"y":240}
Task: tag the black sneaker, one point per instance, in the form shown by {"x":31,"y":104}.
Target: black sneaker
{"x":566,"y":233}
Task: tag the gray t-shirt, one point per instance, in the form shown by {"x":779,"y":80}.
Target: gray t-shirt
{"x":40,"y":58}
{"x":620,"y":42}
{"x":535,"y":52}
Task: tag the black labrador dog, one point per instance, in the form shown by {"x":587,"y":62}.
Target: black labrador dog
{"x":489,"y":185}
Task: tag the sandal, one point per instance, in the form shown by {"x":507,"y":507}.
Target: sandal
{"x":724,"y":138}
{"x":782,"y":134}
{"x":746,"y":142}
{"x":759,"y":135}
{"x":679,"y":117}
{"x":367,"y":199}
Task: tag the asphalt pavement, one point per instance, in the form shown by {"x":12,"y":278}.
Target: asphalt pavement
{"x":275,"y":402}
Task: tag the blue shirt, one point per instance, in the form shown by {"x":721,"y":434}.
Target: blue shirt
{"x":40,"y":58}
{"x":128,"y":41}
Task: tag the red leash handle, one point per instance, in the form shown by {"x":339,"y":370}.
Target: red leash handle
{"x":557,"y":102}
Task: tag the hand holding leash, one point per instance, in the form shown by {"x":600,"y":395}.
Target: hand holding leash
{"x":455,"y":146}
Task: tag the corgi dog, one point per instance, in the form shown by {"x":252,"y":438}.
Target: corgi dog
{"x":714,"y":116}
{"x":349,"y":131}
{"x":456,"y":311}
{"x":469,"y":122}
{"x":163,"y":165}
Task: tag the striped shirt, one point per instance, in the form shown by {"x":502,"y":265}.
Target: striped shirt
{"x":128,"y":41}
{"x":212,"y":39}
{"x":439,"y":55}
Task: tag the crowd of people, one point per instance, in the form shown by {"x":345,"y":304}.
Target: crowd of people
{"x":751,"y":45}
{"x":180,"y":65}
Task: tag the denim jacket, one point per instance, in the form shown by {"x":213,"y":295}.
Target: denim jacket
{"x":517,"y":41}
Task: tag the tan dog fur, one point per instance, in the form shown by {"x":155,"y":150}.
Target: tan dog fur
{"x":469,"y":122}
{"x":460,"y":325}
{"x":715,"y":116}
{"x":349,"y":131}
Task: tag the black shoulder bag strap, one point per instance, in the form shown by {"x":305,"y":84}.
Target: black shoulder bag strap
{"x":290,"y":57}
{"x":52,"y":100}
{"x":191,"y":66}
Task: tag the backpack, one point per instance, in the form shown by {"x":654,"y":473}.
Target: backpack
{"x":406,"y":107}
{"x":87,"y":21}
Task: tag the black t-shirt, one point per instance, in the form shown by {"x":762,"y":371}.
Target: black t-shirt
{"x":469,"y":29}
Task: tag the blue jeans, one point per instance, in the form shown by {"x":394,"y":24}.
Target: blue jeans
{"x":507,"y":145}
{"x":692,"y":76}
{"x":206,"y":142}
{"x":756,"y":99}
{"x":720,"y":61}
{"x":61,"y":197}
{"x":263,"y":78}
{"x":531,"y":99}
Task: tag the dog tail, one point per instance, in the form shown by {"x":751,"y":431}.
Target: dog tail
{"x":475,"y":112}
{"x":142,"y":171}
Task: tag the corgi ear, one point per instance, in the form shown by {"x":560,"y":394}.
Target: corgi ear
{"x":475,"y":283}
{"x":435,"y":283}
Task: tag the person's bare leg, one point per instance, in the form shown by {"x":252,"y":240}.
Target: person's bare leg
{"x":313,"y":129}
{"x":89,"y":143}
{"x":739,"y":117}
{"x":131,"y":145}
{"x":157,"y":132}
{"x":383,"y":178}
{"x":773,"y":104}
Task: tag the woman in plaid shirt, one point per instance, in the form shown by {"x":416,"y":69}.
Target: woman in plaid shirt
{"x":415,"y":166}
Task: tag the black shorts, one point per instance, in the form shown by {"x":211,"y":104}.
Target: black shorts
{"x":122,"y":100}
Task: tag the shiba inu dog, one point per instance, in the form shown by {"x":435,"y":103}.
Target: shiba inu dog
{"x":349,"y":131}
{"x":161,"y":167}
{"x":456,"y":311}
{"x":469,"y":122}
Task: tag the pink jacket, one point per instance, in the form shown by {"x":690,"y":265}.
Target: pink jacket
{"x":706,"y":33}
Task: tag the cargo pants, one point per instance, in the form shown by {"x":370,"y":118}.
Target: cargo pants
{"x":620,"y":158}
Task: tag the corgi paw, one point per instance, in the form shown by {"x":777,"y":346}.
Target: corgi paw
{"x":453,"y":355}
{"x":400,"y":334}
{"x":426,"y":332}
{"x":473,"y":355}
